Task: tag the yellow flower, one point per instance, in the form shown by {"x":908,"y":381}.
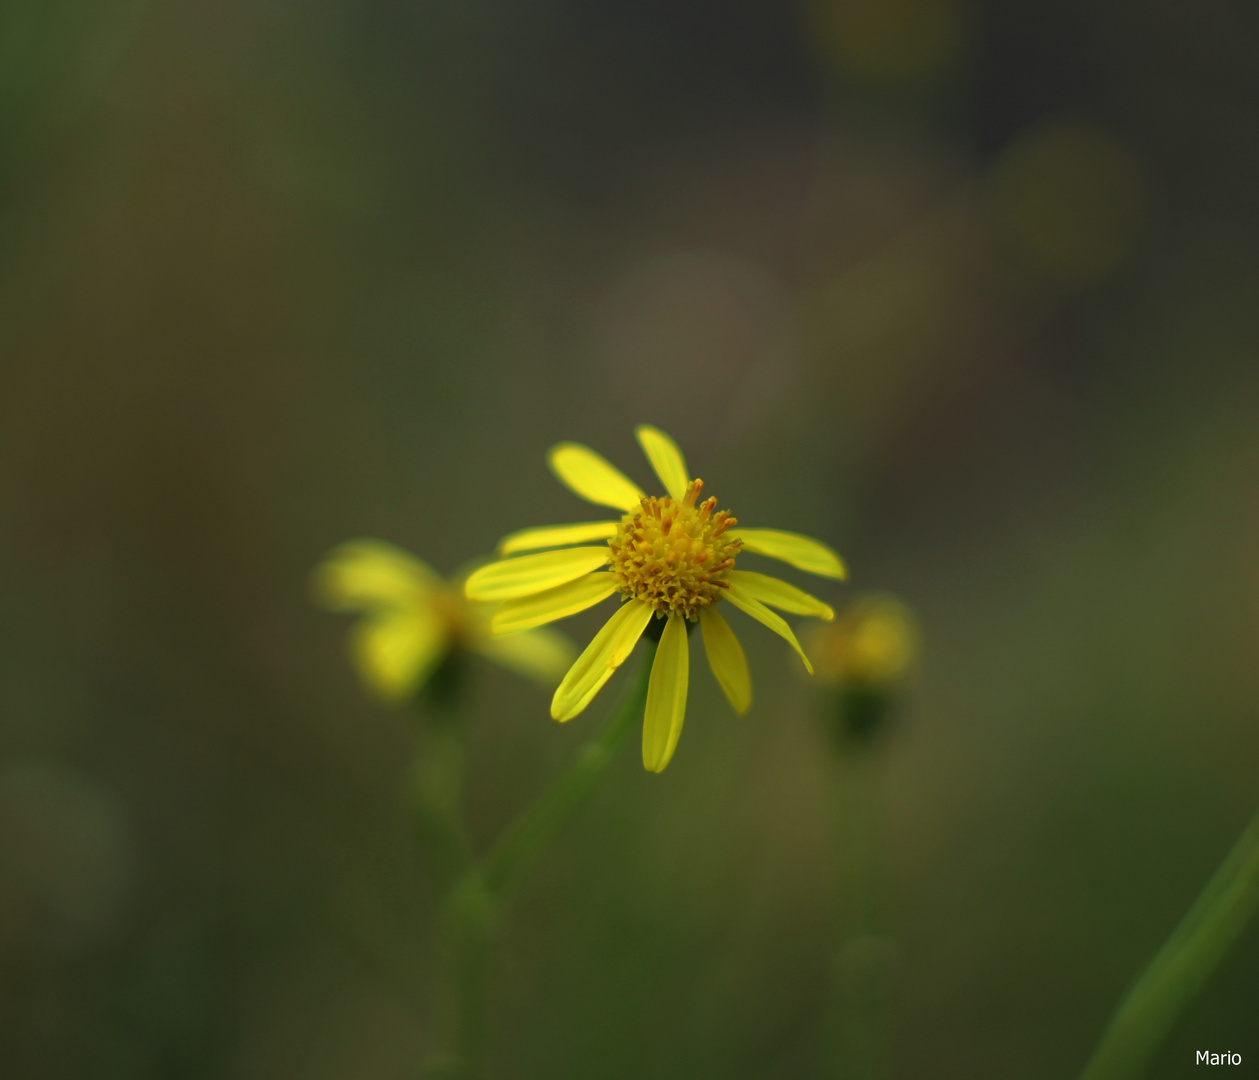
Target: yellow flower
{"x":873,"y":645}
{"x":865,"y":657}
{"x":670,"y":556}
{"x":413,"y":620}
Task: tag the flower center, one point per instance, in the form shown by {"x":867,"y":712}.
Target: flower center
{"x":674,"y":555}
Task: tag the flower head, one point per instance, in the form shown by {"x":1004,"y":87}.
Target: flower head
{"x":672,"y":559}
{"x":413,"y":621}
{"x":873,"y":645}
{"x":864,"y":659}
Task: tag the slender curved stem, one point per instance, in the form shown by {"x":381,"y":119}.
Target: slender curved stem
{"x":524,"y":841}
{"x":1182,"y":967}
{"x":476,"y":902}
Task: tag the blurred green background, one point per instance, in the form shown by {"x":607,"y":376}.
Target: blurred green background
{"x":968,"y":290}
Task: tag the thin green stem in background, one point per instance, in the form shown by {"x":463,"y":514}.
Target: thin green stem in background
{"x":437,"y":788}
{"x":1182,"y":967}
{"x":466,"y":931}
{"x":476,"y":902}
{"x":863,"y":966}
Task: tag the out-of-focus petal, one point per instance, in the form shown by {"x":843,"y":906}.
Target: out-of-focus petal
{"x":394,"y":651}
{"x":541,"y":655}
{"x":362,"y":574}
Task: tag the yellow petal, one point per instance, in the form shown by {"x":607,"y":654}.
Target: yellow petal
{"x":510,"y":579}
{"x":608,"y":651}
{"x":557,"y":603}
{"x":750,"y":605}
{"x":556,"y":536}
{"x":666,"y":696}
{"x":665,"y":458}
{"x":587,"y":474}
{"x":779,"y":594}
{"x":800,"y":551}
{"x":541,"y":655}
{"x":725,"y":657}
{"x":370,"y":573}
{"x":395,"y":651}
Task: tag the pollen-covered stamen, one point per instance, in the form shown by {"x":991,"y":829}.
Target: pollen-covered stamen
{"x":673,"y":555}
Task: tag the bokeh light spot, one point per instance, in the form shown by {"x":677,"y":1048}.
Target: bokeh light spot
{"x":887,"y":40}
{"x":65,"y":856}
{"x":1069,"y":200}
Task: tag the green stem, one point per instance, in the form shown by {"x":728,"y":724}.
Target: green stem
{"x":524,"y":841}
{"x":478,"y":899}
{"x":467,"y":925}
{"x":437,"y":786}
{"x":863,"y":967}
{"x":1182,"y":967}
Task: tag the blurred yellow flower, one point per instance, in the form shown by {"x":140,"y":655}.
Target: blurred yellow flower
{"x":872,"y":646}
{"x":413,"y":620}
{"x":669,"y":556}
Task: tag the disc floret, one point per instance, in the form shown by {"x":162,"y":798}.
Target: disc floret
{"x":675,"y":556}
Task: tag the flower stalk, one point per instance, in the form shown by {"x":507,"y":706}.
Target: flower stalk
{"x":532,"y":833}
{"x":858,"y":998}
{"x":1182,"y":967}
{"x":864,"y":659}
{"x":437,"y":782}
{"x":478,"y":899}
